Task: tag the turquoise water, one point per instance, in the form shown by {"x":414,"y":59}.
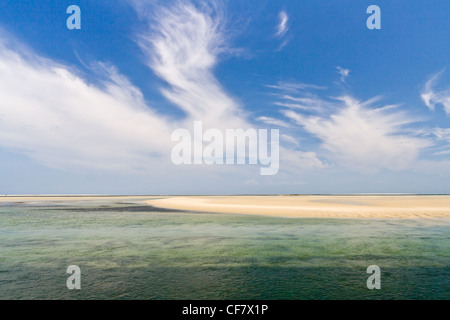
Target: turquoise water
{"x":134,"y":252}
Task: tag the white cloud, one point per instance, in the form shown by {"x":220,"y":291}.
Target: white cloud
{"x":344,"y":73}
{"x":315,"y":107}
{"x":431,"y":97}
{"x":50,"y":113}
{"x":273,"y":122}
{"x":442,"y":133}
{"x":182,"y":47}
{"x":300,"y":96}
{"x":362,"y":137}
{"x":183,"y":50}
{"x":53,"y":115}
{"x":289,"y":139}
{"x":293,"y":87}
{"x":441,"y":153}
{"x":282,"y":26}
{"x":282,"y":45}
{"x":295,"y":160}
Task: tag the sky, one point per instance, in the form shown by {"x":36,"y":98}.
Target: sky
{"x":93,"y":110}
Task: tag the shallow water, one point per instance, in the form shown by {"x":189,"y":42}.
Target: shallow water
{"x":127,"y":251}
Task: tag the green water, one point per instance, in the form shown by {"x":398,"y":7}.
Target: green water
{"x":132,"y":252}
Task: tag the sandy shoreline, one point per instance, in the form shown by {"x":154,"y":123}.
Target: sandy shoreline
{"x":303,"y":206}
{"x":377,"y":207}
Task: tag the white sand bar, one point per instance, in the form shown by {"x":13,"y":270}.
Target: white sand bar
{"x":359,"y":206}
{"x":301,"y":206}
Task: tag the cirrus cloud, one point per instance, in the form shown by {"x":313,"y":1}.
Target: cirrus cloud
{"x":432,"y":97}
{"x":50,"y":113}
{"x":361,"y":137}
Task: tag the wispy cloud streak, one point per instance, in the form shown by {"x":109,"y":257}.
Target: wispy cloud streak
{"x":182,"y":48}
{"x":431,"y":97}
{"x":282,"y":26}
{"x":53,"y":115}
{"x":364,"y":137}
{"x":344,"y":73}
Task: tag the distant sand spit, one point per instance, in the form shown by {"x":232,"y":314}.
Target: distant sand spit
{"x":377,"y":207}
{"x":49,"y":200}
{"x":302,"y":206}
{"x":56,"y":198}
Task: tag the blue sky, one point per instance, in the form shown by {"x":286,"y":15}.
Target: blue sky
{"x":92,"y":110}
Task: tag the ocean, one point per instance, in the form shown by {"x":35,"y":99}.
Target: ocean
{"x":130,"y":251}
